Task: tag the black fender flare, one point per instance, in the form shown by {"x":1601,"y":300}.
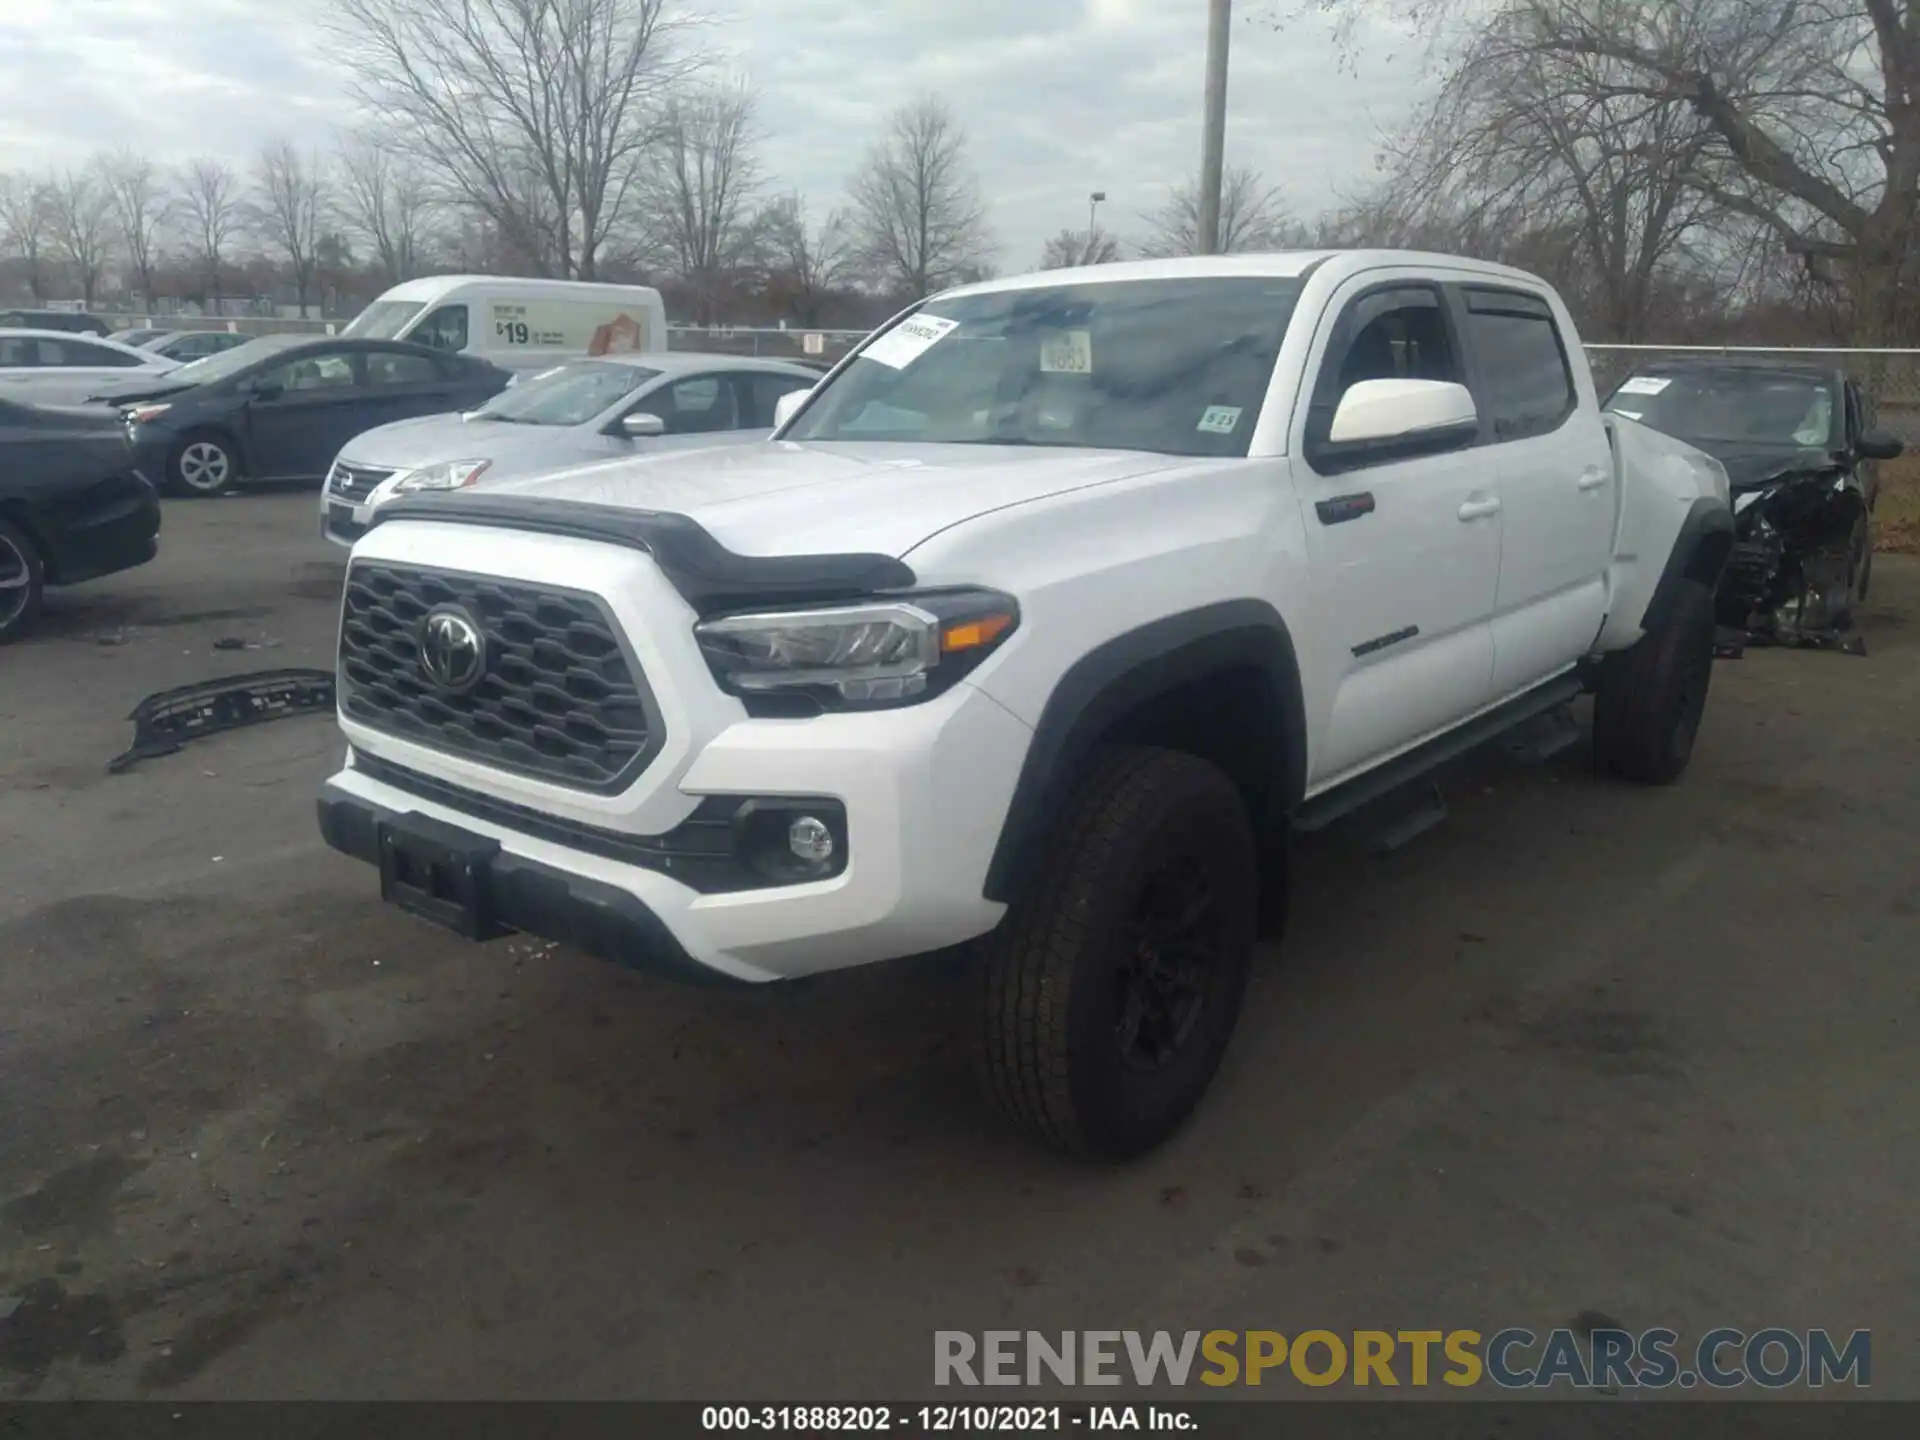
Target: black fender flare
{"x":1133,"y":668}
{"x":1700,"y":552}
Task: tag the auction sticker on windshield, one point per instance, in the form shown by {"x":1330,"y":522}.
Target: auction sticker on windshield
{"x":909,"y":340}
{"x":1219,"y":420}
{"x":1066,"y":352}
{"x":1644,"y":385}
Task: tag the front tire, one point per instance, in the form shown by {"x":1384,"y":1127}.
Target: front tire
{"x":203,"y":465}
{"x":1112,"y":987}
{"x":1862,"y":556}
{"x":23,"y":578}
{"x":1652,"y":695}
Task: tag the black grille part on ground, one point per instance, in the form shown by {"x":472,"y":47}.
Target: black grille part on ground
{"x":560,"y":700}
{"x":165,"y":721}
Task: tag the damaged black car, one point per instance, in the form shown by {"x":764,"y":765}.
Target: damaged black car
{"x":72,"y":506}
{"x":1800,"y":448}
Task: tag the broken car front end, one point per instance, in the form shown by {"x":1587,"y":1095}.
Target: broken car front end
{"x":1803,"y":546}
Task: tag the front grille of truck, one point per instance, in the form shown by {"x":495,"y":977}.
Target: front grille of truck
{"x":355,"y":482}
{"x":559,"y":698}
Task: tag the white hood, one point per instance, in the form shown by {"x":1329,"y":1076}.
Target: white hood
{"x":786,"y":498}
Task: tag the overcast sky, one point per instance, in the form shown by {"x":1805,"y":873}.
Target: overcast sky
{"x":1058,"y":97}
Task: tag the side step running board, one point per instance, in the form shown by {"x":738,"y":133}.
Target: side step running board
{"x":1343,"y":800}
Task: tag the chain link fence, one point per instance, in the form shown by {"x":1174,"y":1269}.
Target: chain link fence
{"x":820,"y":346}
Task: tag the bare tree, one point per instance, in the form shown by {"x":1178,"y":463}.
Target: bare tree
{"x":1813,"y":108}
{"x":696,"y":195}
{"x":1253,"y":216}
{"x":211,"y":211}
{"x":1535,"y":142}
{"x":922,"y":223}
{"x":139,"y":210}
{"x":1079,"y":247}
{"x":80,"y":213}
{"x":806,"y":263}
{"x":289,"y":208}
{"x":537,"y":113}
{"x":25,"y":228}
{"x":384,"y":198}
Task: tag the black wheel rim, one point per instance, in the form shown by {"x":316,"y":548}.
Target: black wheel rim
{"x":16,"y":581}
{"x":1171,"y":951}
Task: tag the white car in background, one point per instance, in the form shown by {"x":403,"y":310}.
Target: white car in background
{"x":54,"y":367}
{"x":610,"y":407}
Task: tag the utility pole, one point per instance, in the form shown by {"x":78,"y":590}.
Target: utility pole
{"x":1213,"y":136}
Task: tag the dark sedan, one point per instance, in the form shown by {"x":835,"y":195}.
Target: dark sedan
{"x":280,"y":407}
{"x":71,"y":506}
{"x":76,"y":322}
{"x":1801,"y":451}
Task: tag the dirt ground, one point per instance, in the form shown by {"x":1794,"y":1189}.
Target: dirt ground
{"x":1583,"y":1049}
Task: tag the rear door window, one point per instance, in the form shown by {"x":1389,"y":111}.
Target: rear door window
{"x":1525,"y":385}
{"x":392,"y":367}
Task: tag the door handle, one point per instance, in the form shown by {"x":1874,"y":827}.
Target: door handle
{"x":1476,"y":509}
{"x":1592,"y":479}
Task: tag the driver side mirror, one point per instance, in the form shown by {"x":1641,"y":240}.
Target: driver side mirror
{"x":642,"y":425}
{"x":1879,"y":445}
{"x":1374,"y":413}
{"x":788,"y":406}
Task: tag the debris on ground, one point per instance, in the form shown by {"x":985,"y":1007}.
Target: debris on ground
{"x":165,"y":721}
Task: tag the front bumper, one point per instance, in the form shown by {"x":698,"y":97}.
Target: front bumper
{"x":106,"y":528}
{"x":923,"y":791}
{"x":521,"y":894}
{"x":343,"y":521}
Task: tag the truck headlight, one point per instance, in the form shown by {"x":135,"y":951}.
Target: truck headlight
{"x":869,"y":656}
{"x":447,"y":475}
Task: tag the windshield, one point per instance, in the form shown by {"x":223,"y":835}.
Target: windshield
{"x":1179,"y":367}
{"x":384,"y":319}
{"x":1731,"y":407}
{"x":231,"y":362}
{"x":570,"y":394}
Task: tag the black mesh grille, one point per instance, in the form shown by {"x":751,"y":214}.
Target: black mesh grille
{"x":355,"y":482}
{"x":558,"y":700}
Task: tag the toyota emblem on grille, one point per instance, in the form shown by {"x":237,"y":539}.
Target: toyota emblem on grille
{"x":453,"y":652}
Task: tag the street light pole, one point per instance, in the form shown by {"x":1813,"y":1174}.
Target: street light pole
{"x":1213,"y":138}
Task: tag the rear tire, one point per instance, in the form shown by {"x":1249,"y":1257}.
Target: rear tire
{"x":1651,"y":696}
{"x":23,"y":579}
{"x":203,"y":465}
{"x":1112,"y":987}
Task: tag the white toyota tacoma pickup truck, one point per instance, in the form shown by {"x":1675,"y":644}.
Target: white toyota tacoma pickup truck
{"x":1041,"y":623}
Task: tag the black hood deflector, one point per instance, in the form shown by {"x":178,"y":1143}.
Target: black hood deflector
{"x":709,"y":577}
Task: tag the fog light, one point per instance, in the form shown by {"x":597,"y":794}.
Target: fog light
{"x":810,"y":840}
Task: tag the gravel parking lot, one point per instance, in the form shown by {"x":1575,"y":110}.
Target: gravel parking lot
{"x":1583,"y":1050}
